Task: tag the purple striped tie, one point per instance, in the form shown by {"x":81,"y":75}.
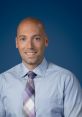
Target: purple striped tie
{"x":29,"y":93}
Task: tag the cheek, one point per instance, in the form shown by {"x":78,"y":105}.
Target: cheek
{"x":20,"y":49}
{"x":39,"y":45}
{"x":21,"y":46}
{"x":41,"y":48}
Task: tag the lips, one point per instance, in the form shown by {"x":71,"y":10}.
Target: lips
{"x":30,"y":53}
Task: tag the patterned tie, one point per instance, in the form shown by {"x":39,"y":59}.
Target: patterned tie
{"x":29,"y":93}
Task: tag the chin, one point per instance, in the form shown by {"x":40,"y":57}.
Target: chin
{"x":31,"y":62}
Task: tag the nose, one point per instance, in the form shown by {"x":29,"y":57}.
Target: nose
{"x":29,"y":44}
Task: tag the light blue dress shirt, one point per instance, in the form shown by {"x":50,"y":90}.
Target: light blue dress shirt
{"x":57,"y":92}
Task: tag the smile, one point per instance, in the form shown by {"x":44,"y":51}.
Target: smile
{"x":30,"y":53}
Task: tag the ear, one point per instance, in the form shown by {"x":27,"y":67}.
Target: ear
{"x":46,"y":41}
{"x":16,"y":42}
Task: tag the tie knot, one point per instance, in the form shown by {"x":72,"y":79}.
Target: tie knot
{"x":31,"y":74}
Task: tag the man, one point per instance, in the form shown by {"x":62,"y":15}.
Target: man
{"x":54,"y":92}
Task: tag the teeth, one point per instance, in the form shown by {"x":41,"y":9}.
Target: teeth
{"x":30,"y":53}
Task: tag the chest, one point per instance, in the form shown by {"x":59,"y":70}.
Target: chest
{"x":48,"y":97}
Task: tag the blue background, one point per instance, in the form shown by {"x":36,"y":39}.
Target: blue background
{"x":63,"y":21}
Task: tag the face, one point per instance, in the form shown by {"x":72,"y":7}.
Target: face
{"x":31,"y":42}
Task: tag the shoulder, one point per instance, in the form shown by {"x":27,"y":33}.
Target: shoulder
{"x":64,"y":75}
{"x":11,"y":71}
{"x":58,"y":69}
{"x":9,"y":74}
{"x":66,"y":79}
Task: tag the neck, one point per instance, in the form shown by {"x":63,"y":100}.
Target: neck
{"x":31,"y":66}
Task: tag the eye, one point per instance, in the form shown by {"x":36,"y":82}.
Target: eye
{"x":37,"y":38}
{"x":23,"y":39}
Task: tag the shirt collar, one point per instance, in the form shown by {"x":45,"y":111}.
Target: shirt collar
{"x":39,"y":70}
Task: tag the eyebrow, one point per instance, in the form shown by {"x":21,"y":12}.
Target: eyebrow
{"x":36,"y":35}
{"x":21,"y":36}
{"x":25,"y":36}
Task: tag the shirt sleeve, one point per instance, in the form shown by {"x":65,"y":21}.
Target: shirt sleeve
{"x":2,"y":111}
{"x":72,"y":97}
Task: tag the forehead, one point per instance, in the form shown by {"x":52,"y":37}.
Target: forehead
{"x":27,"y":27}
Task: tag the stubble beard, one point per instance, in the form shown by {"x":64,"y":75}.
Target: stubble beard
{"x":32,"y":62}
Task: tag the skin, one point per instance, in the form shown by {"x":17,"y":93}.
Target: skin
{"x":31,"y":41}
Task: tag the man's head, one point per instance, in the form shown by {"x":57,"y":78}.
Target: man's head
{"x":31,"y":41}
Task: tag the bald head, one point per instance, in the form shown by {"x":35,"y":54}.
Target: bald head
{"x":29,"y":22}
{"x":31,"y":41}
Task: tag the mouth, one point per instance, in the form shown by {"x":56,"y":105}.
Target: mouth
{"x":30,"y":54}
